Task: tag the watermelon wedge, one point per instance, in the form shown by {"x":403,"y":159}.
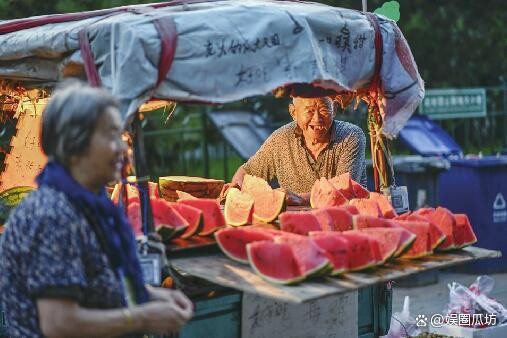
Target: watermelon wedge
{"x":311,"y":258}
{"x":385,"y":206}
{"x":352,"y":209}
{"x":391,"y":240}
{"x":361,"y":254}
{"x":212,"y":215}
{"x":134,"y":217}
{"x":282,"y":270}
{"x":233,"y":241}
{"x":335,"y":248}
{"x":167,"y":221}
{"x":437,"y":236}
{"x":238,"y":207}
{"x":192,"y":215}
{"x":343,"y":183}
{"x":403,"y":217}
{"x":445,"y":221}
{"x":132,"y":191}
{"x":268,"y":203}
{"x":365,"y":221}
{"x":333,"y":218}
{"x":359,"y":190}
{"x":422,"y":244}
{"x":366,"y":207}
{"x":324,"y":194}
{"x":464,"y":234}
{"x":299,"y":222}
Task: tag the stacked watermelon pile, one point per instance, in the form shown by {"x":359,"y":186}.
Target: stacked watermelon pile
{"x":188,"y":217}
{"x":349,"y":229}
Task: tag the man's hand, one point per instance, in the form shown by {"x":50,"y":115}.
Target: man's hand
{"x":225,"y":190}
{"x":291,"y":198}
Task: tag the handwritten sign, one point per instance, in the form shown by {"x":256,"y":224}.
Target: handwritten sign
{"x":26,"y":158}
{"x":328,"y":317}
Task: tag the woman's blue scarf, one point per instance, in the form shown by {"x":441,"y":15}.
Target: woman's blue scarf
{"x":115,"y":227}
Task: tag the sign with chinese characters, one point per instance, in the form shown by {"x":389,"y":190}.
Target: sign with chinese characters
{"x":25,"y":159}
{"x":330,"y":317}
{"x":442,"y":104}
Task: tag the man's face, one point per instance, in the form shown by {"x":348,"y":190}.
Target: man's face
{"x":314,"y":116}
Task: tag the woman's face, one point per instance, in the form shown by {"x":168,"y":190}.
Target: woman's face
{"x":314,"y":116}
{"x":103,"y":160}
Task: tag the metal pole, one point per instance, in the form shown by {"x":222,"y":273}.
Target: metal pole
{"x":142,"y":175}
{"x":365,"y":7}
{"x":204,"y":123}
{"x":504,"y":88}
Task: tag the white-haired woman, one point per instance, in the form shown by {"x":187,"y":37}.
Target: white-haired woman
{"x":69,"y":266}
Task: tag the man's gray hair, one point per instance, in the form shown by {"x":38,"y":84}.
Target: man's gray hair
{"x":70,"y":118}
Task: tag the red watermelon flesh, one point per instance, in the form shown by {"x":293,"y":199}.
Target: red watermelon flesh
{"x":424,"y":211}
{"x":343,"y":183}
{"x":366,"y":207}
{"x":365,"y":221}
{"x":299,"y":222}
{"x":422,"y":244}
{"x":192,"y":215}
{"x":403,"y":217}
{"x":334,"y":219}
{"x":351,"y":208}
{"x":274,"y":262}
{"x":385,"y":206}
{"x":335,"y":247}
{"x":390,"y":240}
{"x":437,"y":236}
{"x":233,"y":241}
{"x":445,"y":221}
{"x":359,"y":190}
{"x":361,"y":255}
{"x":167,"y":221}
{"x":464,"y":235}
{"x":134,"y":217}
{"x":310,"y":257}
{"x":323,"y":194}
{"x":212,"y":215}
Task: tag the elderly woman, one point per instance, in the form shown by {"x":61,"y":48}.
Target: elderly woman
{"x":314,"y":145}
{"x":69,"y":265}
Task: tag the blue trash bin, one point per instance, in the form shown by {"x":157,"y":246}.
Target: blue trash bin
{"x":478,"y":187}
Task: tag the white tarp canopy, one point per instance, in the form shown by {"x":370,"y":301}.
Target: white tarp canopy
{"x":225,"y":51}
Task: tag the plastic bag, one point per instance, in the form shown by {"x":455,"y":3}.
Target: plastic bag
{"x":402,"y":324}
{"x":474,"y":300}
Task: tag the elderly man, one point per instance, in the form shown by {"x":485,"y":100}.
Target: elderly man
{"x":314,"y":145}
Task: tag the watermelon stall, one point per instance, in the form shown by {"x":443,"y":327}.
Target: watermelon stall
{"x":250,"y":48}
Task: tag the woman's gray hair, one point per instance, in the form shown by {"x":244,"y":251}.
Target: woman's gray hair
{"x":70,"y":118}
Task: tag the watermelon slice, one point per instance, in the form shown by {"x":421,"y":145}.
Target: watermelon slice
{"x":437,"y":236}
{"x":134,"y":217}
{"x":351,"y":208}
{"x":282,"y":270}
{"x":311,"y":258}
{"x":192,"y":215}
{"x":167,"y":221}
{"x":333,"y":218}
{"x":445,"y":221}
{"x":359,"y":190}
{"x":366,"y":207}
{"x":132,"y":191}
{"x":365,"y":221}
{"x":233,"y":241}
{"x":268,"y":203}
{"x":361,"y":255}
{"x":403,"y":217}
{"x":422,"y":244}
{"x":335,"y":248}
{"x":238,"y":207}
{"x":343,"y":183}
{"x":212,"y":215}
{"x":299,"y":222}
{"x":391,"y":240}
{"x":464,"y":234}
{"x":183,"y":195}
{"x":324,"y":194}
{"x":386,"y":208}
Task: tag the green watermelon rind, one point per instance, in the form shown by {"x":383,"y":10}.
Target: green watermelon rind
{"x":228,"y":254}
{"x":405,"y":246}
{"x":168,"y":232}
{"x":270,"y":279}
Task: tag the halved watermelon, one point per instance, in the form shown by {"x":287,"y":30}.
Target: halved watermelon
{"x":268,"y":203}
{"x":422,"y":244}
{"x":359,"y":190}
{"x":324,"y":194}
{"x":361,"y":255}
{"x":275,"y":262}
{"x":366,"y":207}
{"x":335,"y":248}
{"x":365,"y":221}
{"x":437,"y":236}
{"x":445,"y":221}
{"x":167,"y":221}
{"x":333,"y":218}
{"x":193,"y":216}
{"x":391,"y":240}
{"x":299,"y":222}
{"x":233,"y":241}
{"x":238,"y":207}
{"x":464,"y":234}
{"x":213,"y":217}
{"x":311,"y":258}
{"x":343,"y":183}
{"x":386,"y":208}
